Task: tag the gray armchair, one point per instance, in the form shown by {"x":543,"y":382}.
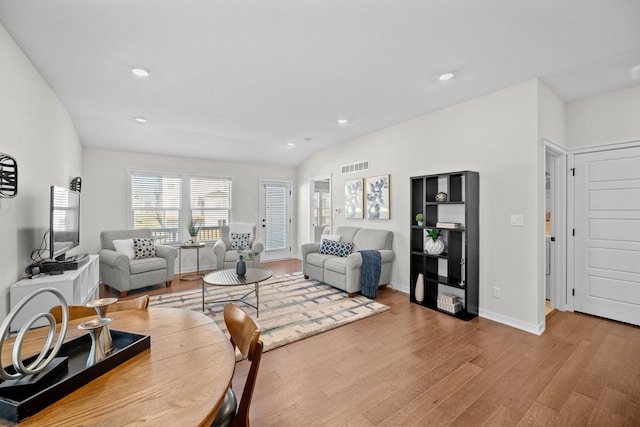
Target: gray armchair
{"x":226,"y":257}
{"x":120,"y":272}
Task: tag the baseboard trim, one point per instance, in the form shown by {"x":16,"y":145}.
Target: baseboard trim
{"x":500,"y":318}
{"x":514,"y":323}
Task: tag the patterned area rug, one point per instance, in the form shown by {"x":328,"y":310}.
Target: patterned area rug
{"x":291,"y":308}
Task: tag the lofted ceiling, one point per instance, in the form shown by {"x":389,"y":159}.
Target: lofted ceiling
{"x":240,"y":80}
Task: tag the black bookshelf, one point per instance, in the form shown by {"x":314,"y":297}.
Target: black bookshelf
{"x":442,"y":273}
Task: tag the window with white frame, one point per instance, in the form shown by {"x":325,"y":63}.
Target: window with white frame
{"x":210,"y":203}
{"x":166,"y":202}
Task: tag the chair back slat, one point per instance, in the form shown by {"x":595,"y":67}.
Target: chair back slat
{"x":244,"y":331}
{"x":78,"y":311}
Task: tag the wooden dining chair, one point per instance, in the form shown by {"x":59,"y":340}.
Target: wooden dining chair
{"x":75,"y":312}
{"x":78,"y":311}
{"x":141,"y":302}
{"x":245,"y":336}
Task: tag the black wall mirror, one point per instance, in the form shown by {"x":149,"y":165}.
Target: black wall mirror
{"x":8,"y":176}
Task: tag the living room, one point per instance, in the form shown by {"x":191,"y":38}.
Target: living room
{"x":500,"y":134}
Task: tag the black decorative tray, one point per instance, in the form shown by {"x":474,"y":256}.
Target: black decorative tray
{"x":22,"y":398}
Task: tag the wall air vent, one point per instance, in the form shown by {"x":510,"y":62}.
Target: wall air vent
{"x":356,"y":167}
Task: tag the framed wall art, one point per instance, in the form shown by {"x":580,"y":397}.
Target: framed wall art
{"x":377,"y":197}
{"x":353,"y":200}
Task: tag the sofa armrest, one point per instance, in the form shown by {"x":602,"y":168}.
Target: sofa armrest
{"x":355,"y":259}
{"x":114,"y":259}
{"x":387,"y":255}
{"x":219,"y":249}
{"x":308,"y":248}
{"x":165,"y":251}
{"x":257,"y":246}
{"x":169,"y":253}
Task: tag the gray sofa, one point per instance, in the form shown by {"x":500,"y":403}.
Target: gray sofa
{"x":119,"y":272}
{"x":345,"y":272}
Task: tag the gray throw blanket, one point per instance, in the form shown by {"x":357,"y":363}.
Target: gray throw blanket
{"x":371,"y":266}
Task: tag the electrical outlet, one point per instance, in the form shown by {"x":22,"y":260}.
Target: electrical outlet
{"x":496,"y":292}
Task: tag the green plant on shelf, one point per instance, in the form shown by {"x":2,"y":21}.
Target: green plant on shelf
{"x":420,"y":218}
{"x":434,"y":233}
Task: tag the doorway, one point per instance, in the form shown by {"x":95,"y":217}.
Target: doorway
{"x":275,"y":223}
{"x":555,"y":229}
{"x":319,"y":207}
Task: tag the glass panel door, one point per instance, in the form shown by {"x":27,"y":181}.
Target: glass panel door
{"x":320,"y":207}
{"x":275,"y":223}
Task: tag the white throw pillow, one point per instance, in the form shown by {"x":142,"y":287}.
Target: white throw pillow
{"x":334,"y":237}
{"x":124,"y":247}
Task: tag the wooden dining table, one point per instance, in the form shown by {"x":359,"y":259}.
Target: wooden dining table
{"x":180,"y":380}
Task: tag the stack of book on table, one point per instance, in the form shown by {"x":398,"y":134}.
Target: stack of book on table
{"x":449,"y":303}
{"x":451,"y":225}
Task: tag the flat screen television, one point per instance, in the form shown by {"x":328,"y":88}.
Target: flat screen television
{"x":64,"y":226}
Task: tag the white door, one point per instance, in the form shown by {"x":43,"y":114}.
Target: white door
{"x":607,"y":234}
{"x":275,"y":219}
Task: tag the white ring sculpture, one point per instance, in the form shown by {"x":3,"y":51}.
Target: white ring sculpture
{"x":40,"y":363}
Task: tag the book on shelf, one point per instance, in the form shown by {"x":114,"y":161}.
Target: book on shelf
{"x":448,"y":225}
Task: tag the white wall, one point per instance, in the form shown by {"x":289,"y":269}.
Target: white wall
{"x":606,"y":119}
{"x":104,"y":192}
{"x":496,"y":135}
{"x":36,"y":130}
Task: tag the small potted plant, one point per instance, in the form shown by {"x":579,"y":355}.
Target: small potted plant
{"x":420,"y":219}
{"x":193,"y":229}
{"x":433,"y":245}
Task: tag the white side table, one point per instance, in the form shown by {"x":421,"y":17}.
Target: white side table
{"x":190,"y":276}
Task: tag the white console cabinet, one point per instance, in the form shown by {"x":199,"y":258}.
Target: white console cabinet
{"x":78,"y":287}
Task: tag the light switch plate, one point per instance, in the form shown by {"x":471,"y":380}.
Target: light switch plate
{"x":517,"y":220}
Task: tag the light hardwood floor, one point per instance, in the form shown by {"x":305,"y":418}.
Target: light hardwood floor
{"x":413,"y":366}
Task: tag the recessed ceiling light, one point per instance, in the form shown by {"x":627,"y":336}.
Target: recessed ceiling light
{"x":140,"y":120}
{"x":446,"y":76}
{"x":342,"y":122}
{"x":291,"y":144}
{"x":140,"y":72}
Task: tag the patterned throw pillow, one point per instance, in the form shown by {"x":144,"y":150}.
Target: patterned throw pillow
{"x":240,"y":240}
{"x":331,"y":247}
{"x":144,"y":248}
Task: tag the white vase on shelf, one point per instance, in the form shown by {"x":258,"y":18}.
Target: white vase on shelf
{"x":434,"y":247}
{"x":419,"y":291}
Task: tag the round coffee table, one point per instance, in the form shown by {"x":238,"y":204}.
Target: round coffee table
{"x":230,"y":278}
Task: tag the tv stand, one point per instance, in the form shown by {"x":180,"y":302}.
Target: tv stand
{"x":78,"y":286}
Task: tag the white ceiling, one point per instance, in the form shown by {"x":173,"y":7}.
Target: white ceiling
{"x":238,"y":79}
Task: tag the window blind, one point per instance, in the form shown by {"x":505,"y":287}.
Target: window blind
{"x":210,"y":205}
{"x":156,"y":204}
{"x":276,"y":216}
